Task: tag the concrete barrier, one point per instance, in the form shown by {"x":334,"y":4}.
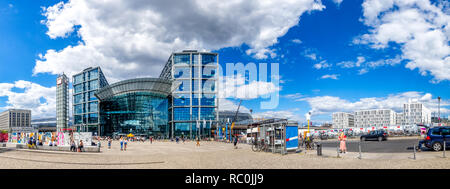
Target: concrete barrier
{"x":59,"y":148}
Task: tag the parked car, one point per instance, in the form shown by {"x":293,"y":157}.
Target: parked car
{"x":379,"y":135}
{"x":435,"y":138}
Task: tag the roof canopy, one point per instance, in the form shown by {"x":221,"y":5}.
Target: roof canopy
{"x":153,"y":85}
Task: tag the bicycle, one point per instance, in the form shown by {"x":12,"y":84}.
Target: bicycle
{"x":258,"y":146}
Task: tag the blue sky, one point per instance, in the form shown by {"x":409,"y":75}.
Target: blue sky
{"x":312,"y":44}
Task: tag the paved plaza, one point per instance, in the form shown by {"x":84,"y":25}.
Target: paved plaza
{"x":210,"y":155}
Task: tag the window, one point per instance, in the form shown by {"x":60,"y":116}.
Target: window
{"x":78,"y":98}
{"x":93,"y":74}
{"x":196,"y":72}
{"x":435,"y":132}
{"x":182,"y":59}
{"x":92,"y":96}
{"x":184,"y":86}
{"x":181,"y":114}
{"x":78,"y":79}
{"x":78,"y":88}
{"x":182,"y":100}
{"x":195,"y":85}
{"x":93,"y":85}
{"x":78,"y":109}
{"x":93,"y":107}
{"x":445,"y":131}
{"x":181,"y":72}
{"x":208,"y":58}
{"x":93,"y":118}
{"x":208,"y":72}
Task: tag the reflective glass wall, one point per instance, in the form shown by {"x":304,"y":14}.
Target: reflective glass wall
{"x":85,"y":104}
{"x":194,"y":105}
{"x":140,"y":113}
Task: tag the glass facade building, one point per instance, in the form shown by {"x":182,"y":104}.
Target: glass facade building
{"x":137,"y":106}
{"x":85,"y":103}
{"x":193,"y":104}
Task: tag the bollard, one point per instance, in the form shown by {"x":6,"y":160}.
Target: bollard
{"x":359,"y":146}
{"x":444,"y":148}
{"x":414,"y":146}
{"x":337,"y":150}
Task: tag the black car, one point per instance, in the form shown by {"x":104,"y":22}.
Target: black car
{"x":379,"y":135}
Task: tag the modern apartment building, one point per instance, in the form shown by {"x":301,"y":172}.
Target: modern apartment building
{"x":399,"y":119}
{"x":85,"y":103}
{"x":374,"y":118}
{"x":343,"y":120}
{"x":16,"y":120}
{"x":193,"y":106}
{"x":416,"y":113}
{"x":62,"y":103}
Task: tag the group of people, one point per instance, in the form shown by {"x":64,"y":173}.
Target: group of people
{"x":74,"y":148}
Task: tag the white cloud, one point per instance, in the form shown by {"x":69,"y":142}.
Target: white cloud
{"x":422,"y":30}
{"x":135,"y":38}
{"x":332,"y":76}
{"x":322,"y":64}
{"x":283,"y":114}
{"x":39,"y":99}
{"x":311,"y":56}
{"x":238,"y":87}
{"x":362,"y":71}
{"x":338,"y":2}
{"x":298,"y":41}
{"x":329,"y":104}
{"x":228,"y":105}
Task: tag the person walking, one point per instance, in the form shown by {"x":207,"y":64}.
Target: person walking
{"x":235,"y":141}
{"x":109,"y":142}
{"x":125,"y":144}
{"x":343,"y":139}
{"x":151,"y":140}
{"x":121,"y":144}
{"x":198,"y":141}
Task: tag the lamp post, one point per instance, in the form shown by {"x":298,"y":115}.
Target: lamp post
{"x":439,"y":110}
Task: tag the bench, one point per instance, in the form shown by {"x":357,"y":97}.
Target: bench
{"x":59,"y":148}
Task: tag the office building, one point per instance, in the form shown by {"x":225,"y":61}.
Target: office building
{"x":85,"y":103}
{"x":416,"y":113}
{"x":16,"y":120}
{"x":62,"y":103}
{"x":137,"y":106}
{"x":374,"y":118}
{"x":193,"y":104}
{"x":343,"y":120}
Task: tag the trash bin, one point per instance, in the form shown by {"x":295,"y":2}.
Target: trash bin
{"x":319,"y":149}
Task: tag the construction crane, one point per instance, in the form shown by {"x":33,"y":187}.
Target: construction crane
{"x":235,"y":118}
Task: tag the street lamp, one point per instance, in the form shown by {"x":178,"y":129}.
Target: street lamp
{"x":439,"y":110}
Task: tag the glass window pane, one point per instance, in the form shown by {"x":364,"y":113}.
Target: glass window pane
{"x":78,"y":98}
{"x":78,"y":79}
{"x":181,"y":100}
{"x":195,"y":59}
{"x":184,"y":86}
{"x":93,"y":85}
{"x":208,"y":58}
{"x":182,"y":59}
{"x":78,"y":88}
{"x":181,"y":72}
{"x":208,"y":72}
{"x":181,"y":114}
{"x":208,"y":85}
